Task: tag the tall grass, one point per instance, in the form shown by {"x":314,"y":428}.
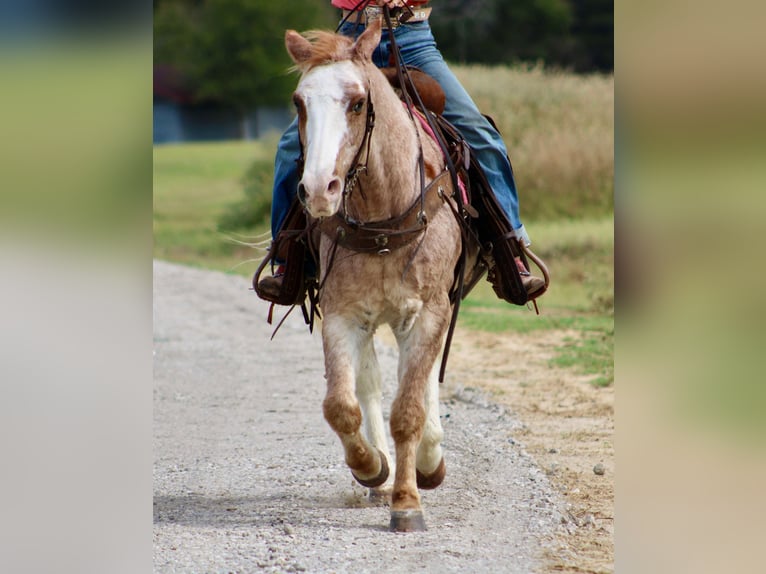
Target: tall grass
{"x":559,"y":129}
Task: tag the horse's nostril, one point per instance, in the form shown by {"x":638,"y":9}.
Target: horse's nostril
{"x":335,"y":187}
{"x":301,"y":193}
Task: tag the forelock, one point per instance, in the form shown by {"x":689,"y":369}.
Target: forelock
{"x":326,"y":48}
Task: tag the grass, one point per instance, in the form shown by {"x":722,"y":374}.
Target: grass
{"x":579,"y":255}
{"x":195,"y":186}
{"x":559,"y":128}
{"x":210,"y":201}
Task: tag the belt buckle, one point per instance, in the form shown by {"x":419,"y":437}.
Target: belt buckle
{"x":372,"y":13}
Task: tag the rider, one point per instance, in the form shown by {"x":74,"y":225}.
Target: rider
{"x":418,"y":48}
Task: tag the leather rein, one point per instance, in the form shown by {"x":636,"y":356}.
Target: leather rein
{"x":386,"y":236}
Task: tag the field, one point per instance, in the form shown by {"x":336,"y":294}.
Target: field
{"x":211,"y":206}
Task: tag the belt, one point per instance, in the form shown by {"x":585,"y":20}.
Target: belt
{"x":371,"y":13}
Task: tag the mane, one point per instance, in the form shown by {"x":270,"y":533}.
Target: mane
{"x":327,"y":48}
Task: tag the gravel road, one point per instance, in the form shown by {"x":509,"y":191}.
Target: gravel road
{"x":248,"y":476}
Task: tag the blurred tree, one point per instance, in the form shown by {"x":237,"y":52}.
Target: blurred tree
{"x":499,"y":31}
{"x":529,"y":31}
{"x":594,"y":28}
{"x":576,"y":34}
{"x":232,"y":51}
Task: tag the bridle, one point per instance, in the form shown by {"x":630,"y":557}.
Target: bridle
{"x":352,"y":175}
{"x":384,"y":236}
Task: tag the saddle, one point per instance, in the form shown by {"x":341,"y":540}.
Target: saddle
{"x":482,"y":218}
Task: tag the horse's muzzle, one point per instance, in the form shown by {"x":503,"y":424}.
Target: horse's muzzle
{"x":323,"y":200}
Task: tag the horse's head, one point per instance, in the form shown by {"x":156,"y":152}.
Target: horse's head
{"x":332,"y":100}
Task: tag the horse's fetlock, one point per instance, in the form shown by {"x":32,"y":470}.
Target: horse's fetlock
{"x":361,"y":459}
{"x":404,"y":500}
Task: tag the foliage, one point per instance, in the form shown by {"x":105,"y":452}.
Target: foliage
{"x":576,"y":34}
{"x":580,"y":255}
{"x":255,"y":209}
{"x":195,"y":185}
{"x":232,"y":51}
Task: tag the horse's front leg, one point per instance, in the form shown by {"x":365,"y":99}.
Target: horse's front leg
{"x":345,"y":343}
{"x":370,"y":395}
{"x":431,"y":469}
{"x":415,"y":431}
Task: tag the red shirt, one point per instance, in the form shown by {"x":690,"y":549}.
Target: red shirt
{"x":349,"y":4}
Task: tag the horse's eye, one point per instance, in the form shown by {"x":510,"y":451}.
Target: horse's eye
{"x":296,"y":102}
{"x":357,"y":107}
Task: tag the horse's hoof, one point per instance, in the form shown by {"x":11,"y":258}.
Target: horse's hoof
{"x":434,"y":479}
{"x":407,"y":521}
{"x":375,"y":480}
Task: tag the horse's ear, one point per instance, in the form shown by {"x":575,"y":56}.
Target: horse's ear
{"x":366,"y":43}
{"x":297,"y":46}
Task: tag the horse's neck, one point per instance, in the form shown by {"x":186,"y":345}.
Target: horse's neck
{"x":392,"y":181}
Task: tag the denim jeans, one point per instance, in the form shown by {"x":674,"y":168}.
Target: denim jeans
{"x":418,"y":48}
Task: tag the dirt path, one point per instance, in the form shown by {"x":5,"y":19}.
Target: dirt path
{"x":249,"y":477}
{"x":568,"y":429}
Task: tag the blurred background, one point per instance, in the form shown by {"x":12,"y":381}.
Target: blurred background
{"x":219,"y":65}
{"x":542,"y":70}
{"x":79,"y":226}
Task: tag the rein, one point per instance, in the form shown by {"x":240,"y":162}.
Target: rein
{"x":401,"y":71}
{"x":385,"y":236}
{"x":352,"y":176}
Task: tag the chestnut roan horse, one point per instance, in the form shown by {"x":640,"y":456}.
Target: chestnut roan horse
{"x":359,"y":176}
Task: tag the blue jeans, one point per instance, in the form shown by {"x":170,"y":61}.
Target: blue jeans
{"x":418,"y":48}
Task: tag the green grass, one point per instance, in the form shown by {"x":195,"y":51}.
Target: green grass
{"x":579,"y":255}
{"x":195,"y":186}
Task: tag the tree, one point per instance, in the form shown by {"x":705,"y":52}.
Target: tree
{"x":575,"y":34}
{"x":232,"y":51}
{"x":594,"y":27}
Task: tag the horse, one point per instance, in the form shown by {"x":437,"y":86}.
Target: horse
{"x":361,"y":174}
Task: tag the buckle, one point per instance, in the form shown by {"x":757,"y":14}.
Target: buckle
{"x":372,"y":13}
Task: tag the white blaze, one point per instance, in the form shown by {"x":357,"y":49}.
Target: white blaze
{"x":325,"y":92}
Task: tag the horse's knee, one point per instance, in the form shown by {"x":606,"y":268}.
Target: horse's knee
{"x":407,"y":419}
{"x":343,"y":415}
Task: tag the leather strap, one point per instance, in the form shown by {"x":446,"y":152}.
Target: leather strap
{"x":391,"y":234}
{"x":372,"y":13}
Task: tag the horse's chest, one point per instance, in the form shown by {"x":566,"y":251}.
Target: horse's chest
{"x":400,"y":316}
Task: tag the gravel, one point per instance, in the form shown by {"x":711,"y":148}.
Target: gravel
{"x":249,"y":477}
